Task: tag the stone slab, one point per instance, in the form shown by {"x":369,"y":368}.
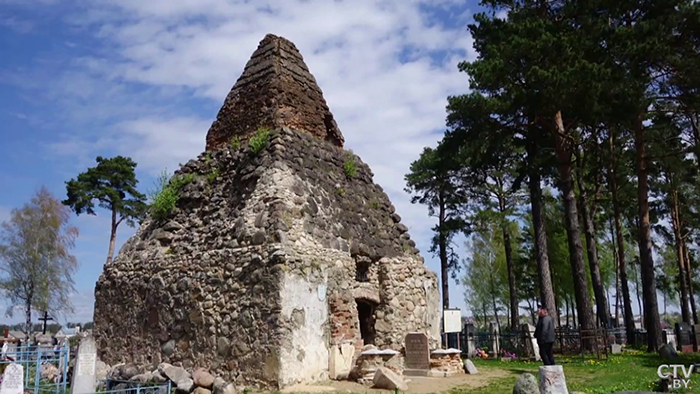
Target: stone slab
{"x":377,"y":352}
{"x":616,"y":349}
{"x":417,"y":351}
{"x":384,"y":378}
{"x":470,"y":368}
{"x":552,"y":380}
{"x":683,"y":332}
{"x":416,"y":372}
{"x":443,"y":352}
{"x":84,"y":378}
{"x":340,"y":361}
{"x":533,"y":348}
{"x":13,"y":380}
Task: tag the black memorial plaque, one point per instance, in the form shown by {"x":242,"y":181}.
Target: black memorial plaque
{"x":683,"y":338}
{"x":417,"y":351}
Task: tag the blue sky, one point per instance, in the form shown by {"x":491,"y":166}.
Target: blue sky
{"x":81,"y":78}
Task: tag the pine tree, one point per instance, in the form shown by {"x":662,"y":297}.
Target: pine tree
{"x":112,"y":183}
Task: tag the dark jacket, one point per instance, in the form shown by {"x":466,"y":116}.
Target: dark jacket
{"x":544,"y":333}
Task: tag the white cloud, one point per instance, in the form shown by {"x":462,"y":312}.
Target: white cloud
{"x":164,"y":67}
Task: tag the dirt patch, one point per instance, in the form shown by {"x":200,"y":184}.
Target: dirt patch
{"x":416,"y":385}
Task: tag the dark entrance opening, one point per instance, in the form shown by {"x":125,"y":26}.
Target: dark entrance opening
{"x":365,"y":313}
{"x":362,"y":271}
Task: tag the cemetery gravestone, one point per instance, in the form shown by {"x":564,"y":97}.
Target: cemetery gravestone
{"x":495,"y":340}
{"x":417,"y":352}
{"x":696,"y":336}
{"x":683,"y":337}
{"x":13,"y":380}
{"x":615,"y":348}
{"x":669,"y":337}
{"x":470,"y":331}
{"x":84,"y":380}
{"x":533,"y":348}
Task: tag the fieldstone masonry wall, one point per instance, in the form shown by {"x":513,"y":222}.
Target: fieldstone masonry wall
{"x":254,"y":274}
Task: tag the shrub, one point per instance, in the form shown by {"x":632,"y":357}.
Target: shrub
{"x":258,"y":142}
{"x":164,"y":198}
{"x":350,"y":166}
{"x":213,"y":175}
{"x":235,"y":143}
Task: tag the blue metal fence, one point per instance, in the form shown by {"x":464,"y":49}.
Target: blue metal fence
{"x":35,"y":360}
{"x":112,"y":386}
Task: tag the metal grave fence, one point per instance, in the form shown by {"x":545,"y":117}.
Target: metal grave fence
{"x":45,"y":368}
{"x":112,"y":386}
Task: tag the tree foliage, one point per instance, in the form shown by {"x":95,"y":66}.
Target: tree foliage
{"x":110,"y":185}
{"x":36,"y":265}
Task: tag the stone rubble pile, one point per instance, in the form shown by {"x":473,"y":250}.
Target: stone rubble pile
{"x":448,"y":361}
{"x":371,"y":359}
{"x":198,"y":382}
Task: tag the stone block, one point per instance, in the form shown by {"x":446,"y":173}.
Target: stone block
{"x":526,"y":384}
{"x":387,"y":379}
{"x":202,"y":378}
{"x":668,"y":352}
{"x":552,"y":380}
{"x":470,"y":368}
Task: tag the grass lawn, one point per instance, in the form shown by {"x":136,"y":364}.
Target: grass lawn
{"x":632,"y":371}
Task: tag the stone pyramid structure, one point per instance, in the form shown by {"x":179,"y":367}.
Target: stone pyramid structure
{"x":275,"y":90}
{"x":279,"y":249}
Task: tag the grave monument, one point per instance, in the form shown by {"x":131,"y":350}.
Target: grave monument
{"x":84,"y":376}
{"x":685,"y":343}
{"x":532,"y":348}
{"x":13,"y":380}
{"x":280,"y":250}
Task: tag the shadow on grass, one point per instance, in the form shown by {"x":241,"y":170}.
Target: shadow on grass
{"x":518,"y":371}
{"x":653,"y":360}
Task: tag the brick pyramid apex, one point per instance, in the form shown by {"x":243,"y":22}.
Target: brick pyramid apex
{"x":275,"y":90}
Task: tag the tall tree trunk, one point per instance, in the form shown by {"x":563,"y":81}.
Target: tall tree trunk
{"x":617,"y":273}
{"x":543,"y":271}
{"x":112,"y":236}
{"x":28,"y":317}
{"x":566,"y":301}
{"x":573,"y":313}
{"x":678,"y":238}
{"x":639,"y":296}
{"x":622,"y":269}
{"x":564,"y":150}
{"x":651,"y":307}
{"x":442,"y":245}
{"x":689,"y":270}
{"x":592,"y":250}
{"x":512,"y":291}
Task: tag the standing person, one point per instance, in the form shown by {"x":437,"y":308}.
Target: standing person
{"x":545,"y":335}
